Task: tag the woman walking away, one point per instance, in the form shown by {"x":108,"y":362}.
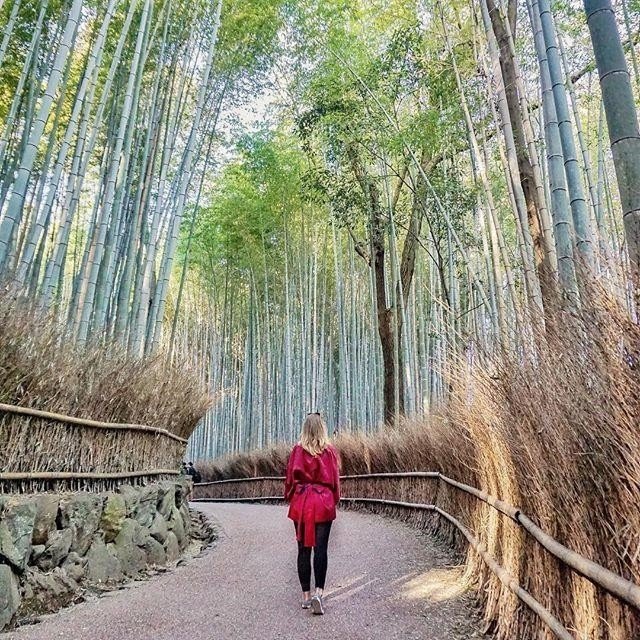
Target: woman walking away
{"x":312,"y":489}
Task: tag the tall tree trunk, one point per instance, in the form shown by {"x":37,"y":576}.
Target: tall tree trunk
{"x":531,"y":183}
{"x":377,"y":234}
{"x":622,"y":122}
{"x":578,"y":201}
{"x":407,"y":271}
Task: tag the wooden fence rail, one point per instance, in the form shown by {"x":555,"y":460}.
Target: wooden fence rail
{"x":40,"y":450}
{"x":85,"y":422}
{"x":616,"y":585}
{"x":69,"y":475}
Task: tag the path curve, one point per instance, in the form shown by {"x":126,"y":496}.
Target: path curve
{"x":386,"y":581}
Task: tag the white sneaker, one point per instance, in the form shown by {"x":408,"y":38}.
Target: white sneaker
{"x":316,"y":605}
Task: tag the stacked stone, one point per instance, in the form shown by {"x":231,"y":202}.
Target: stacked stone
{"x":54,"y":546}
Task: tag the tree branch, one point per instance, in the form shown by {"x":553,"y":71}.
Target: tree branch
{"x":359,"y":247}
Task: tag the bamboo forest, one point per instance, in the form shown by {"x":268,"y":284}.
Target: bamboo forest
{"x":418,"y":219}
{"x":318,"y":204}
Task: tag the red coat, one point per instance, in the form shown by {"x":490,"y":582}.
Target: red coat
{"x":312,"y":489}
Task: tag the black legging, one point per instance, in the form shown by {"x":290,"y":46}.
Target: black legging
{"x":323,"y":529}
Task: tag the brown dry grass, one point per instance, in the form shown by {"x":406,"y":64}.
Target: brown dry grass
{"x":40,"y":368}
{"x":557,"y":434}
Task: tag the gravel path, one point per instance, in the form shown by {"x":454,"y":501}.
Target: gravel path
{"x":385,"y":581}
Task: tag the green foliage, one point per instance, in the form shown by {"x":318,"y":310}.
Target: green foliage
{"x":18,"y":44}
{"x":375,"y":62}
{"x":248,"y":36}
{"x":256,"y":197}
{"x":340,"y":192}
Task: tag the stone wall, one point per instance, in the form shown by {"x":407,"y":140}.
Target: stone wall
{"x":55,"y":547}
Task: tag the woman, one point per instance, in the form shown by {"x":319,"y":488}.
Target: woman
{"x":312,"y":489}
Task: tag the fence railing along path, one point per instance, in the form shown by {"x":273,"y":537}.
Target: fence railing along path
{"x":39,"y":449}
{"x":269,"y":488}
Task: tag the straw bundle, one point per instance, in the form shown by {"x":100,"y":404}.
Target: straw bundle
{"x":41,"y":368}
{"x":268,"y":487}
{"x":30,"y":444}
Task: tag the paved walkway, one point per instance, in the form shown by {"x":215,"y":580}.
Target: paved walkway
{"x":385,"y":582}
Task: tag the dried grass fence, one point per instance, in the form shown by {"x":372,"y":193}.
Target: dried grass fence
{"x":41,"y":451}
{"x":112,"y":395}
{"x":464,"y":515}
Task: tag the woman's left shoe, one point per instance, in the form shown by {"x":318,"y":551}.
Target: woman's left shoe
{"x":316,"y":605}
{"x":306,"y":604}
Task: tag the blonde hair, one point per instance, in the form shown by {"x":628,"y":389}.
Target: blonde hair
{"x":314,"y":437}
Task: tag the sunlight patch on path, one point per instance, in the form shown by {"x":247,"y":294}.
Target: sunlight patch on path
{"x":436,"y":585}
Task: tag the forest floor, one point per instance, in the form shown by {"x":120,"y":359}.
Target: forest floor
{"x":386,"y":581}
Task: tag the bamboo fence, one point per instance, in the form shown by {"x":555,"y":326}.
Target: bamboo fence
{"x":42,"y":451}
{"x":439,"y":496}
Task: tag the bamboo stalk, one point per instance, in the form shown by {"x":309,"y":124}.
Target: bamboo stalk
{"x":622,"y":121}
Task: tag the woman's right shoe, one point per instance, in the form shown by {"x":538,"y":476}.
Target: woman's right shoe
{"x":316,"y":606}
